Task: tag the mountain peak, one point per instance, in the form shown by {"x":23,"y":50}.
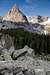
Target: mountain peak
{"x":14,"y":8}
{"x":15,"y":15}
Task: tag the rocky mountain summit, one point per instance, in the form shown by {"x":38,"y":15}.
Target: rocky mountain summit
{"x":46,"y":25}
{"x":37,"y":19}
{"x":40,"y":23}
{"x":16,"y":19}
{"x":15,"y":15}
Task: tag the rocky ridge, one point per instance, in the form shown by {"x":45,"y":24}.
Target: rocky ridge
{"x":16,"y":19}
{"x":37,"y":19}
{"x":40,"y":23}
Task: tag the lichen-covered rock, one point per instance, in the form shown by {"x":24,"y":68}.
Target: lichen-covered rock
{"x":22,"y":52}
{"x":19,"y":53}
{"x":6,"y":55}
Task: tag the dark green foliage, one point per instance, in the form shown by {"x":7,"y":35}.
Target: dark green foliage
{"x":40,"y":43}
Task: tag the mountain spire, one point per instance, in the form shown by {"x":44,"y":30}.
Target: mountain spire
{"x":14,"y":8}
{"x":15,"y":15}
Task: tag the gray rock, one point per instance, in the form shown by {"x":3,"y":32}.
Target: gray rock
{"x":21,"y":58}
{"x":1,"y":58}
{"x":8,"y":74}
{"x":6,"y":55}
{"x":28,"y":72}
{"x":22,"y":52}
{"x":20,"y":73}
{"x":6,"y":41}
{"x":39,"y":72}
{"x":29,"y":50}
{"x":19,"y":53}
{"x":11,"y":50}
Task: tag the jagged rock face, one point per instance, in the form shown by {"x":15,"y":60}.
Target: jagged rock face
{"x":37,"y":19}
{"x":15,"y":15}
{"x":5,"y":41}
{"x":46,"y":25}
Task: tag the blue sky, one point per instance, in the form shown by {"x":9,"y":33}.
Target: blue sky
{"x":29,"y":7}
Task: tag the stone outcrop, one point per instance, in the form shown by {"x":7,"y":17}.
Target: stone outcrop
{"x":5,"y":41}
{"x":22,"y":53}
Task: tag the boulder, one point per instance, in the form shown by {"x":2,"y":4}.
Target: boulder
{"x":6,"y":55}
{"x":19,"y":53}
{"x":21,"y":58}
{"x":1,"y":58}
{"x":29,"y":50}
{"x":39,"y":72}
{"x":20,"y":73}
{"x":11,"y":50}
{"x":27,"y":72}
{"x":22,"y":52}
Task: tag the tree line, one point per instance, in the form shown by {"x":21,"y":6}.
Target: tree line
{"x":39,"y":42}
